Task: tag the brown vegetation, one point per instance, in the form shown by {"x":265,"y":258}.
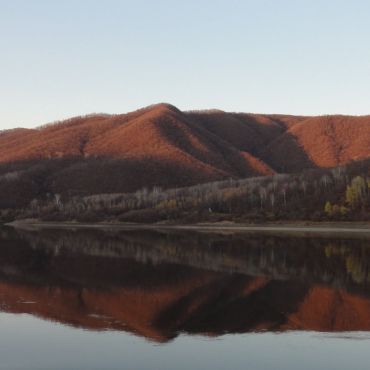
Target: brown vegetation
{"x":341,"y":193}
{"x":213,"y":143}
{"x":160,"y":146}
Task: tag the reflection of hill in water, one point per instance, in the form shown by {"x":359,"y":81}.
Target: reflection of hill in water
{"x":158,"y":285}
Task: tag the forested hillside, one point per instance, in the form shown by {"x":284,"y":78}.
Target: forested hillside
{"x":162,"y":150}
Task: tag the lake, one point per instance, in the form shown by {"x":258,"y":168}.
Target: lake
{"x":146,"y":299}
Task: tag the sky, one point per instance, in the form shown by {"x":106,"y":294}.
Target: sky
{"x":60,"y":59}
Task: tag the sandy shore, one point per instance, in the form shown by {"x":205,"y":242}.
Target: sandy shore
{"x":286,"y":228}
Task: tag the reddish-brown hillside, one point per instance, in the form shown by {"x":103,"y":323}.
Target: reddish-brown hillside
{"x":162,"y":146}
{"x":320,"y":142}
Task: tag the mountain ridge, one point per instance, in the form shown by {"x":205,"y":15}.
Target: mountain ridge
{"x":260,"y":135}
{"x":162,"y":146}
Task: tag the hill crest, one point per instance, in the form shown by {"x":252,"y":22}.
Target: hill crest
{"x":161,"y":145}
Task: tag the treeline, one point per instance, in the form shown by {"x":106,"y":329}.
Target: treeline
{"x":55,"y":125}
{"x":23,"y":182}
{"x":341,"y":193}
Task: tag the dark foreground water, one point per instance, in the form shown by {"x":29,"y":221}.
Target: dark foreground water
{"x":90,"y":299}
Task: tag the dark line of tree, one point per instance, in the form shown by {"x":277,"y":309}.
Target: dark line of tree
{"x":341,"y":193}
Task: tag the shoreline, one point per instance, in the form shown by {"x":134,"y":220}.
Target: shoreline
{"x":321,"y":228}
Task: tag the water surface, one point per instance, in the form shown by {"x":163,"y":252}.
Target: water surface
{"x":94,"y":299}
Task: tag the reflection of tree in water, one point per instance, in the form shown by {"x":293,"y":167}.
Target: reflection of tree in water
{"x":337,"y":262}
{"x":161,"y":283}
{"x":356,"y":261}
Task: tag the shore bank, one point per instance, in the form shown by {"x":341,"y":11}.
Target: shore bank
{"x":326,"y":228}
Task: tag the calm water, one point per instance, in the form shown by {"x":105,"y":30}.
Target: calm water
{"x":88,"y":299}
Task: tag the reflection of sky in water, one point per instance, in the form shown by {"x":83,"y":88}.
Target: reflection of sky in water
{"x":30,"y":343}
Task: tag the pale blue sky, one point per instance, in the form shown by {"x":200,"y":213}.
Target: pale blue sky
{"x":64,"y":58}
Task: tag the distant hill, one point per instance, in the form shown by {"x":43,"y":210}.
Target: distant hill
{"x":163,"y":146}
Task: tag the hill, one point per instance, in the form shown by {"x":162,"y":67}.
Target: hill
{"x":161,"y":146}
